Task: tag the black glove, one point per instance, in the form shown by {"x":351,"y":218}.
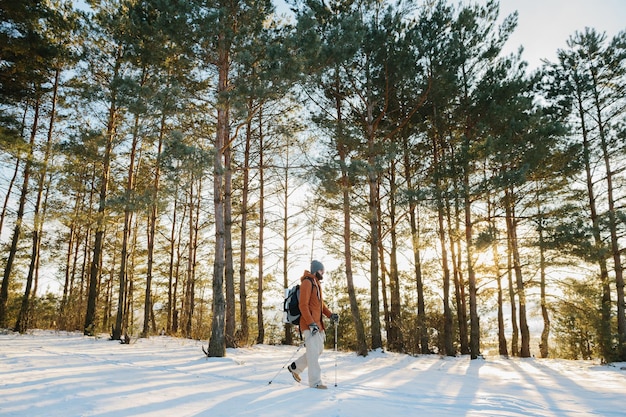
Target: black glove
{"x":314,"y":328}
{"x":335,"y":317}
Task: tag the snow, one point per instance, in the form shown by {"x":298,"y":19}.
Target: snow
{"x":48,"y":373}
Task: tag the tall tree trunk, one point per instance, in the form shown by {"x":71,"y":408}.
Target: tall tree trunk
{"x":186,"y":309}
{"x":152,"y":224}
{"x":22,"y":320}
{"x":176,"y":257}
{"x":85,"y":248}
{"x":288,"y":338}
{"x":128,"y":218}
{"x":229,"y":269}
{"x":68,"y":298}
{"x":502,"y":343}
{"x":545,"y":333}
{"x":361,"y":341}
{"x":98,"y":247}
{"x":422,"y":330}
{"x":605,"y":339}
{"x":448,"y":345}
{"x":129,"y":313}
{"x":188,"y":306}
{"x":178,"y":314}
{"x":171,"y":291}
{"x":346,"y":187}
{"x":194,"y":226}
{"x":512,"y":299}
{"x":372,"y":181}
{"x":422,"y":335}
{"x":217,"y":342}
{"x":71,"y":247}
{"x":7,"y":198}
{"x":17,"y":230}
{"x":457,"y":273}
{"x":108,"y":298}
{"x":511,"y":223}
{"x":383,"y":269}
{"x":243,"y":300}
{"x":471,"y":274}
{"x":396,"y":341}
{"x":21,"y":324}
{"x":16,"y":171}
{"x":613,"y":226}
{"x":40,"y":233}
{"x":261,"y":328}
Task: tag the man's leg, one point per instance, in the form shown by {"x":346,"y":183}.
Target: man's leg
{"x":314,"y":348}
{"x":302,"y":362}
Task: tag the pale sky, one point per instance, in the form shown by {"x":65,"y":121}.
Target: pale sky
{"x":545,"y":25}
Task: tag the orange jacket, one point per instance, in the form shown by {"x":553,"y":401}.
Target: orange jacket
{"x":311,"y":302}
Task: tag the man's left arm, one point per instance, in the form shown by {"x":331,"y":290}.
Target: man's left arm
{"x":333,"y":316}
{"x":326,"y":311}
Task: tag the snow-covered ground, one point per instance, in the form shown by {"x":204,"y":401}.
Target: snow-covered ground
{"x":64,"y":374}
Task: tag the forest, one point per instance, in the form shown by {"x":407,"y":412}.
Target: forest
{"x":171,"y":166}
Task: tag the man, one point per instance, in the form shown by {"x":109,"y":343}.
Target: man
{"x":312,"y":326}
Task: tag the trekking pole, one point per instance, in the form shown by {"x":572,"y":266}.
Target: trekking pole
{"x":288,"y":363}
{"x":335,"y":353}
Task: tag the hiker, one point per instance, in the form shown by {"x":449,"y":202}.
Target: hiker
{"x":312,"y":326}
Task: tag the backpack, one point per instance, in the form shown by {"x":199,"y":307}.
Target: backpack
{"x":291,"y":308}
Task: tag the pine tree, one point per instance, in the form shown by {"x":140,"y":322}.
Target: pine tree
{"x":104,"y":48}
{"x":222,"y":30}
{"x":27,"y":55}
{"x":585,"y":79}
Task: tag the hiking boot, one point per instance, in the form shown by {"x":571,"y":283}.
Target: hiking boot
{"x":292,"y":371}
{"x":320,"y":386}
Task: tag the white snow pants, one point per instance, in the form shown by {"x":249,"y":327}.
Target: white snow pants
{"x":314,"y":347}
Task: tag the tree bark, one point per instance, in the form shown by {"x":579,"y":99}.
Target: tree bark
{"x":128,"y":218}
{"x":544,"y":347}
{"x":605,"y":339}
{"x":152,"y":224}
{"x":244,"y":331}
{"x":17,"y":230}
{"x":94,"y":275}
{"x":422,"y":336}
{"x":471,"y":274}
{"x":287,"y":328}
{"x":448,"y":345}
{"x":616,"y":252}
{"x":396,"y":340}
{"x":372,"y":181}
{"x":502,"y":343}
{"x":16,"y":171}
{"x":229,"y":270}
{"x":346,"y":187}
{"x":259,"y":305}
{"x":23,"y":317}
{"x":217,"y":342}
{"x":347,"y":242}
{"x":512,"y":299}
{"x":511,"y":223}
{"x":457,"y":273}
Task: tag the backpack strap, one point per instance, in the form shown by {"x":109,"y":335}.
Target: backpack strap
{"x":319,"y":297}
